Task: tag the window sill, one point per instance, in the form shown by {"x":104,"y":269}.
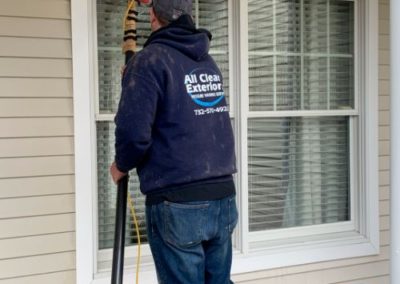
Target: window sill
{"x":147,"y":276}
{"x":304,"y":251}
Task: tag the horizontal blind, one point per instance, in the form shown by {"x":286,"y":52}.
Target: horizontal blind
{"x":298,"y":171}
{"x":212,"y":15}
{"x":107,"y":192}
{"x":301,"y":58}
{"x":110,"y":58}
{"x":301,"y":55}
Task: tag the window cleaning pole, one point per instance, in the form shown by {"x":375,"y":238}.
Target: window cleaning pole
{"x":119,"y":234}
{"x":129,"y":47}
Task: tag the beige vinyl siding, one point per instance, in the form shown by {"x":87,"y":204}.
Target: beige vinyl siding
{"x":63,"y":277}
{"x":37,"y":200}
{"x":365,"y":270}
{"x":23,"y":127}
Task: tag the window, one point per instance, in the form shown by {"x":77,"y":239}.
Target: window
{"x":300,"y":76}
{"x":301,"y":72}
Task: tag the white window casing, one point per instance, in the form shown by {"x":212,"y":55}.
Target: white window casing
{"x":253,"y":250}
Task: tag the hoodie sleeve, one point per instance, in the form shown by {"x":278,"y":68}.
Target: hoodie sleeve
{"x":134,"y":120}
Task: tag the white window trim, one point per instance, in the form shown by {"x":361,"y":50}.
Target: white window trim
{"x":365,"y":242}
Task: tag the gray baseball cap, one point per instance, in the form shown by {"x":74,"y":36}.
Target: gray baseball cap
{"x":170,"y":10}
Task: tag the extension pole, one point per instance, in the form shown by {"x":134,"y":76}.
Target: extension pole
{"x":129,"y":47}
{"x":119,"y":234}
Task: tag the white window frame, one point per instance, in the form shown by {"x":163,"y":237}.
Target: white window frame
{"x":248,"y":257}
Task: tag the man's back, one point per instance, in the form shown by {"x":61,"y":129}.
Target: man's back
{"x":180,"y":108}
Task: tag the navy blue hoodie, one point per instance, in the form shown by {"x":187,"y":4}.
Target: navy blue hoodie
{"x":172,"y":122}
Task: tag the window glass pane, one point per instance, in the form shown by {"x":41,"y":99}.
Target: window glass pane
{"x":341,"y":27}
{"x":109,"y":22}
{"x":342,"y":49}
{"x":110,"y":62}
{"x":288,"y":82}
{"x":298,"y":171}
{"x":261,"y":82}
{"x":315,"y":82}
{"x":288,"y":25}
{"x":107,"y":192}
{"x":300,"y":45}
{"x":315,"y":26}
{"x":213,"y":16}
{"x":261,"y":30}
{"x":341,"y":83}
{"x":110,"y":57}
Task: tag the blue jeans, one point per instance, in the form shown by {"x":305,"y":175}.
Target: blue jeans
{"x":191,"y":242}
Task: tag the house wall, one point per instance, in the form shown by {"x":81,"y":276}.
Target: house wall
{"x":36,"y":156}
{"x":37,"y":220}
{"x":366,"y":270}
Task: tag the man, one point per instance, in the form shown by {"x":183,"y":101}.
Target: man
{"x":173,"y":126}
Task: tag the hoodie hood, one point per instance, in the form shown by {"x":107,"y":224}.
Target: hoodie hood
{"x":183,"y":36}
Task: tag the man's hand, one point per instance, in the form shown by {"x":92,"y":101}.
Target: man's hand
{"x":115,"y":173}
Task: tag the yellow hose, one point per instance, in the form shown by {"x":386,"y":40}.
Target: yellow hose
{"x":132,"y":209}
{"x":131,"y":5}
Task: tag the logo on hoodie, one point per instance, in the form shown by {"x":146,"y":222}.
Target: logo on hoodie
{"x":205,"y":87}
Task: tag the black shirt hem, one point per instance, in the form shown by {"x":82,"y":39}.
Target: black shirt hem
{"x":195,"y":192}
